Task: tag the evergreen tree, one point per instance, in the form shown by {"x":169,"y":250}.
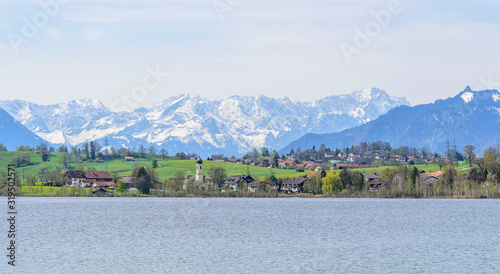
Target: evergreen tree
{"x":92,"y":150}
{"x":143,"y":181}
{"x":414,"y":175}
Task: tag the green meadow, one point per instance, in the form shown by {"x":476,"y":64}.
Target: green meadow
{"x":168,"y":168}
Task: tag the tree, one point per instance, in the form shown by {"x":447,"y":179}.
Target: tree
{"x":265,"y":162}
{"x":143,"y":180}
{"x":92,"y":150}
{"x":42,"y":149}
{"x":218,"y":175}
{"x":63,"y":148}
{"x":359,"y":185}
{"x":291,"y":151}
{"x":264,"y":152}
{"x":152,"y":150}
{"x":142,"y":150}
{"x":31,"y":181}
{"x":275,"y":160}
{"x":414,"y":175}
{"x":121,"y":186}
{"x":490,"y":154}
{"x":331,"y":183}
{"x":387,"y":146}
{"x":154,"y":163}
{"x":310,"y":185}
{"x":66,"y":158}
{"x":469,"y":154}
{"x":402,"y":151}
{"x":86,"y":151}
{"x":346,"y":178}
{"x":363,"y":146}
{"x":424,"y":151}
{"x":271,"y":180}
{"x":388,"y":174}
{"x":449,"y":174}
{"x":439,"y":161}
{"x":181,"y":156}
{"x":74,"y":150}
{"x":163,"y":153}
{"x":323,"y":173}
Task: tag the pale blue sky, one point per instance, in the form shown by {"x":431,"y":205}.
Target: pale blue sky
{"x":100,"y":49}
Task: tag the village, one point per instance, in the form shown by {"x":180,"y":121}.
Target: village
{"x":369,"y":169}
{"x":309,"y":172}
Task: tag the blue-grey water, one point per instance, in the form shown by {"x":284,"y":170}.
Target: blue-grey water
{"x":209,"y":235}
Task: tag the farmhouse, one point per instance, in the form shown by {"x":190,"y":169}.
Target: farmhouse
{"x":330,"y":154}
{"x":233,"y":182}
{"x":129,"y":182}
{"x":368,"y":177}
{"x":430,"y":178}
{"x":373,"y":180}
{"x":294,"y":185}
{"x":96,"y":179}
{"x":254,"y":186}
{"x":335,"y":159}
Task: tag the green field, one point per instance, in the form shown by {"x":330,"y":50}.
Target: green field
{"x":168,"y":168}
{"x":56,"y":191}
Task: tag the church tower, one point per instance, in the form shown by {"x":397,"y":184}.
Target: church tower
{"x":199,"y":171}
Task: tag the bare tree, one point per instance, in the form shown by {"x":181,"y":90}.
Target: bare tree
{"x":163,"y":153}
{"x":424,"y":152}
{"x":469,"y":153}
{"x":142,"y":150}
{"x":152,"y":150}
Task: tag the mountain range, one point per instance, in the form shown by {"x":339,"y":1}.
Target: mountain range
{"x":471,"y":117}
{"x":190,"y":123}
{"x":13,"y":133}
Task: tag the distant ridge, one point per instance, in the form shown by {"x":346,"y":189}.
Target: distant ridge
{"x":190,"y":123}
{"x":13,"y":133}
{"x":471,"y":117}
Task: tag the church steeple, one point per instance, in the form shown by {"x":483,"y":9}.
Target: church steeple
{"x":199,"y":170}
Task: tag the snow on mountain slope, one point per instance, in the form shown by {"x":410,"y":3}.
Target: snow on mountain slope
{"x":191,"y":123}
{"x":471,"y":117}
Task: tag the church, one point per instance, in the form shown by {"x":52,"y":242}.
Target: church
{"x":198,"y":179}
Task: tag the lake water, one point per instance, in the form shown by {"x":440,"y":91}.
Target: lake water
{"x":217,"y":235}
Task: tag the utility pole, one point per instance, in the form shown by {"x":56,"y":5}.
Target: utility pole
{"x":454,"y":150}
{"x":448,"y":149}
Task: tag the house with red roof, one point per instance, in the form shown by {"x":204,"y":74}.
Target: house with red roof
{"x":294,"y":185}
{"x":90,"y":178}
{"x":430,"y":178}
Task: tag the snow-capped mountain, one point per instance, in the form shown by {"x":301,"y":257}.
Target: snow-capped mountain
{"x":471,"y":117}
{"x":190,"y":123}
{"x":13,"y":133}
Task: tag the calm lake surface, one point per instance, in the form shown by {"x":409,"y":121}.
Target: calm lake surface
{"x":217,"y":235}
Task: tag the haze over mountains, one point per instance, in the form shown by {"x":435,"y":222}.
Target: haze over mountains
{"x":471,"y":117}
{"x":190,"y":123}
